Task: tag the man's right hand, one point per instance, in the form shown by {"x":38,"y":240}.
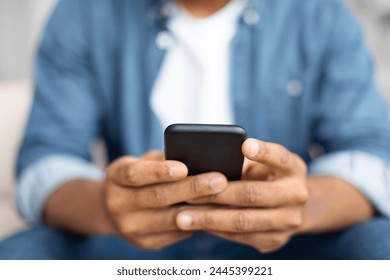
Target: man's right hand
{"x":141,"y":196}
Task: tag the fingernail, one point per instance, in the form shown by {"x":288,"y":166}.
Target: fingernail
{"x":253,"y":148}
{"x":217,"y":183}
{"x":175,"y":171}
{"x":185,"y":221}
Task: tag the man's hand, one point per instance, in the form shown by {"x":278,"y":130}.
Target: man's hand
{"x":265,"y":209}
{"x":141,"y":197}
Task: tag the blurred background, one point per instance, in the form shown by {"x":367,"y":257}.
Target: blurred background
{"x":21,"y":22}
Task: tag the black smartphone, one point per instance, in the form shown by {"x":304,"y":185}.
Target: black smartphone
{"x":206,"y":148}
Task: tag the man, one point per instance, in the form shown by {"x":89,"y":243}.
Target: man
{"x":294,"y":73}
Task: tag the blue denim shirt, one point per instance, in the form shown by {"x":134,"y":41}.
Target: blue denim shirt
{"x":300,"y":76}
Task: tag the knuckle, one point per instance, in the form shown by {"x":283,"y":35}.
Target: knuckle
{"x":115,"y":170}
{"x":241,"y":221}
{"x":266,"y":249}
{"x":125,"y":228}
{"x":276,"y":241}
{"x":302,"y":196}
{"x":122,"y":228}
{"x":144,"y":243}
{"x":118,"y":168}
{"x":207,"y":220}
{"x":272,"y":244}
{"x":295,"y":220}
{"x":132,"y":177}
{"x":250,"y":195}
{"x":196,"y":187}
{"x":156,"y":246}
{"x":162,"y":172}
{"x":159,"y":196}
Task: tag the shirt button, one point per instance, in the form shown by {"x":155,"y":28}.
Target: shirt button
{"x":294,"y":88}
{"x":251,"y":17}
{"x":164,"y":40}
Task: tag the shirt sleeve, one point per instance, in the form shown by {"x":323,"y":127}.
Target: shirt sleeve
{"x":42,"y":178}
{"x":66,"y":111}
{"x":370,"y":174}
{"x":350,"y":117}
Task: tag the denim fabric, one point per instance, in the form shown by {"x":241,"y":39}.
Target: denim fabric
{"x":370,"y":240}
{"x":301,"y":74}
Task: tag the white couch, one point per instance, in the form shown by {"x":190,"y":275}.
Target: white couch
{"x":15,"y":99}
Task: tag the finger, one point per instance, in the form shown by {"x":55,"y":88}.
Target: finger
{"x":266,"y":194}
{"x":167,"y":194}
{"x":239,"y":220}
{"x":265,"y":242}
{"x":275,"y":156}
{"x":131,"y":172}
{"x":158,"y":241}
{"x":148,"y":221}
{"x":254,"y":171}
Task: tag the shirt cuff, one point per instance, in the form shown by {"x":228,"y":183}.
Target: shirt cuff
{"x":368,"y":173}
{"x":38,"y":181}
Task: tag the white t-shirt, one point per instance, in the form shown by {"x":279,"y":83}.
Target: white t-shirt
{"x":193,"y":85}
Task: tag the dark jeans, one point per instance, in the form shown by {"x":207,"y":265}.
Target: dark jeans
{"x":369,"y":240}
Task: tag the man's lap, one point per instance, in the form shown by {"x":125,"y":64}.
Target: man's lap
{"x":370,"y":240}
